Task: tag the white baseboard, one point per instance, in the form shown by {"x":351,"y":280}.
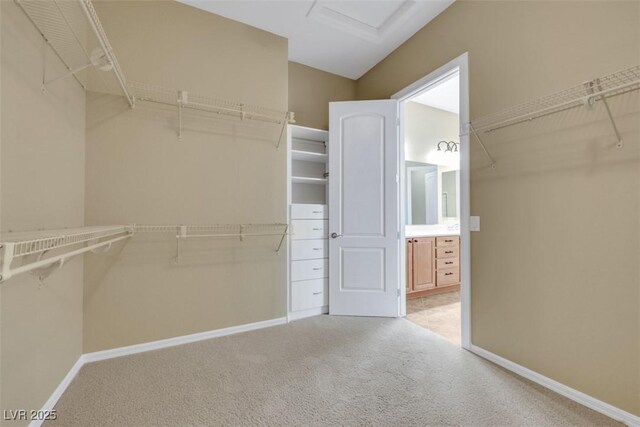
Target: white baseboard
{"x":184,"y":339}
{"x":297,"y":315}
{"x":53,"y":399}
{"x":568,"y":392}
{"x":140,"y":348}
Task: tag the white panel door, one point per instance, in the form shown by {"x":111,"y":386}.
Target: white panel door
{"x":364,"y":247}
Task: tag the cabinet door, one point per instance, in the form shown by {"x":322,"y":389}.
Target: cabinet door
{"x":423,"y":263}
{"x":409,"y":254}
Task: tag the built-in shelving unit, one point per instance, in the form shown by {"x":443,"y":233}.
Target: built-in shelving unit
{"x":308,"y":252}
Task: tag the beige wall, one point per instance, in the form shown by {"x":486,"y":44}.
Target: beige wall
{"x":311,"y":90}
{"x":222,"y":171}
{"x":42,"y":186}
{"x":555,"y":271}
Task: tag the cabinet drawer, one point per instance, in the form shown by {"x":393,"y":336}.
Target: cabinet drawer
{"x":447,"y":241}
{"x":309,"y":249}
{"x":309,"y":229}
{"x":443,"y":263}
{"x":309,"y":211}
{"x":309,"y":294}
{"x":447,"y":276}
{"x":309,"y":269}
{"x":448,"y":252}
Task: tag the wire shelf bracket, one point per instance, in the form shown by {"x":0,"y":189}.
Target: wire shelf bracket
{"x":65,"y":27}
{"x":30,"y":248}
{"x":182,"y":99}
{"x":583,"y":95}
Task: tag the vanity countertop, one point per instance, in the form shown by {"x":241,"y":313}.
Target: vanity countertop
{"x":426,"y":232}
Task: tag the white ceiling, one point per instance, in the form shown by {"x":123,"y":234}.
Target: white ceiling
{"x":445,"y":95}
{"x":344,"y":37}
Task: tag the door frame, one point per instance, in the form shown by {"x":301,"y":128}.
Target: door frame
{"x":461,"y":65}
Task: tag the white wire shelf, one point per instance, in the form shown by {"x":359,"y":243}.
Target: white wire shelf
{"x":182,"y":99}
{"x":585,"y":94}
{"x":72,"y":30}
{"x":30,"y":246}
{"x":209,"y":231}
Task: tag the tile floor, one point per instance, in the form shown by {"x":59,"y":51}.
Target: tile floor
{"x":438,"y":313}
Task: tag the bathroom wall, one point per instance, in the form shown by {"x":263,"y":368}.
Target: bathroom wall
{"x":555,"y":272}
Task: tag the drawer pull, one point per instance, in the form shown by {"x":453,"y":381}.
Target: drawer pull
{"x":448,"y":252}
{"x":317,"y":293}
{"x":317,"y":249}
{"x":317,"y":268}
{"x":316,"y":211}
{"x":317,"y":229}
{"x":448,"y":262}
{"x":448,"y":274}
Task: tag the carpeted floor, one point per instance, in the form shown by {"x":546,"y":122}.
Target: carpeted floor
{"x":438,"y":313}
{"x":320,"y":371}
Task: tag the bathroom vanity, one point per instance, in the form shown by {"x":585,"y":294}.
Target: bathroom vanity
{"x":433,"y":264}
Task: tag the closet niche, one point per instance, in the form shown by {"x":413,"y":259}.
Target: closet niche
{"x":308,"y":218}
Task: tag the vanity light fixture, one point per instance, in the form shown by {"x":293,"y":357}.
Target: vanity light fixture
{"x":450,"y":146}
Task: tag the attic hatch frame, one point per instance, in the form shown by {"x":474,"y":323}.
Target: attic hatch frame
{"x":586,"y":94}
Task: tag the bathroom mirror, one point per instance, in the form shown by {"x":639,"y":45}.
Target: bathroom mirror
{"x":432,"y":194}
{"x":450,"y":188}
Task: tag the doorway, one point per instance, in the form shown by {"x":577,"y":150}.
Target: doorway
{"x":434,"y":183}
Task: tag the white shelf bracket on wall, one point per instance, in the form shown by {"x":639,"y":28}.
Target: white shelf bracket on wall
{"x":586,"y":94}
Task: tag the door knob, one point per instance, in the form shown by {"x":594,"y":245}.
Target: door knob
{"x":335,"y":235}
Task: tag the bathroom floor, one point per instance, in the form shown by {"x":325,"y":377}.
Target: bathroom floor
{"x":438,"y":313}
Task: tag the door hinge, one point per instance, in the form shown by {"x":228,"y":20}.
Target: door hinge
{"x":398,"y":291}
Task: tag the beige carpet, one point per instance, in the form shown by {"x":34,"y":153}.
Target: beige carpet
{"x":320,"y":371}
{"x":438,"y":313}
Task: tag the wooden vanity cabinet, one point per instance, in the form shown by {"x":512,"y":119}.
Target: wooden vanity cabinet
{"x":433,"y":265}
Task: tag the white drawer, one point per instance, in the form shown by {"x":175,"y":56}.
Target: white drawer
{"x":309,"y":294}
{"x":309,"y":229}
{"x":309,"y":269}
{"x":302,"y":211}
{"x":309,"y":249}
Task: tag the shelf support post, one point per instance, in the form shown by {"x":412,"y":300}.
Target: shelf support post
{"x":484,"y":148}
{"x":619,"y":143}
{"x":284,"y":126}
{"x":284,"y":234}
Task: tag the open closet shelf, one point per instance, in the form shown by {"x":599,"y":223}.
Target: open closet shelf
{"x":74,"y":33}
{"x":585,"y":94}
{"x":37,"y":243}
{"x":99,"y":239}
{"x":308,"y":180}
{"x":215,"y":230}
{"x":183,"y":99}
{"x":308,"y":156}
